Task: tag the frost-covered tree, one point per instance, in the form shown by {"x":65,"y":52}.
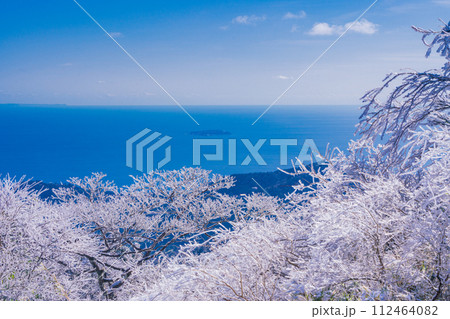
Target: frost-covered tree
{"x":418,"y":99}
{"x":136,"y":224}
{"x":380,"y":222}
{"x":92,"y":237}
{"x":380,"y":214}
{"x":36,"y":262}
{"x":245,"y":262}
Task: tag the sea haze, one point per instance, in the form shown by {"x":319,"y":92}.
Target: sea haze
{"x":53,"y":143}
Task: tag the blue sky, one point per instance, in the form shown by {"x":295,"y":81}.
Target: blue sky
{"x":207,"y":52}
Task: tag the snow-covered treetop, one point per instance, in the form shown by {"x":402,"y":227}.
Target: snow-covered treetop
{"x":418,"y":99}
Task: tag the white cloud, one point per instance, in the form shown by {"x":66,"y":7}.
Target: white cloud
{"x":224,"y":27}
{"x":283,"y":77}
{"x":323,"y":28}
{"x":363,"y":26}
{"x":445,"y":3}
{"x":116,"y":34}
{"x":248,"y":19}
{"x":291,"y":15}
{"x":294,"y":28}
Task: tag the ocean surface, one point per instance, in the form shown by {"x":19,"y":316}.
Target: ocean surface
{"x":55,"y":142}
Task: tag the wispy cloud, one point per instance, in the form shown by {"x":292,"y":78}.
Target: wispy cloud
{"x":116,"y":34}
{"x":66,"y":64}
{"x":283,"y":77}
{"x":294,"y":28}
{"x":224,"y":27}
{"x":299,"y":15}
{"x":363,"y":26}
{"x":253,"y":19}
{"x":445,"y":3}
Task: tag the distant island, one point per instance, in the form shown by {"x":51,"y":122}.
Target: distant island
{"x":210,"y":133}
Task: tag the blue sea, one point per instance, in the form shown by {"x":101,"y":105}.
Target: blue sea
{"x":55,"y":142}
